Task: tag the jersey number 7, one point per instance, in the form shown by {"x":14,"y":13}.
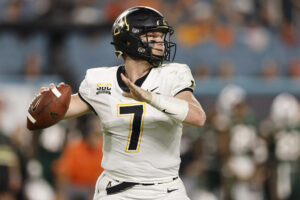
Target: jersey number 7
{"x":136,"y":112}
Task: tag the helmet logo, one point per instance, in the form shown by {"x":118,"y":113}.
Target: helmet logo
{"x":135,"y":30}
{"x":141,"y":50}
{"x":122,"y":22}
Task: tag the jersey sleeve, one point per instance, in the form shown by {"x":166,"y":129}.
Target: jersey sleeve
{"x":183,"y":81}
{"x":85,"y":92}
{"x":84,"y":88}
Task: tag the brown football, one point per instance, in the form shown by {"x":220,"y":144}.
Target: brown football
{"x":49,"y":108}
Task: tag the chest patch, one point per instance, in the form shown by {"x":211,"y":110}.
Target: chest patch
{"x":103,"y":88}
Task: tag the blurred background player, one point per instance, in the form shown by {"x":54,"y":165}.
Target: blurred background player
{"x":79,"y":166}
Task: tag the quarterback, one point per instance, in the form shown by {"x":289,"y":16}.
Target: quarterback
{"x":142,"y":106}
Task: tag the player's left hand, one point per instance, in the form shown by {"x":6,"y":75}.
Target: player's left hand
{"x":136,"y":92}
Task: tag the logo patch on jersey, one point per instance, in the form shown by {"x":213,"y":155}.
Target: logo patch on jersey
{"x":153,"y":89}
{"x":171,"y":190}
{"x":103,"y":88}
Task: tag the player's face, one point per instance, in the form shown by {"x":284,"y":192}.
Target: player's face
{"x":156,"y":41}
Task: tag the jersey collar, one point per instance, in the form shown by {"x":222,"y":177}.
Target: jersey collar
{"x":122,"y":85}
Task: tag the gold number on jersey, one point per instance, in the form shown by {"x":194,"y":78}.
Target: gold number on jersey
{"x":136,"y":112}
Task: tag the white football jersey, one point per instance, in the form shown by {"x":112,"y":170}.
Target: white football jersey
{"x":141,"y":143}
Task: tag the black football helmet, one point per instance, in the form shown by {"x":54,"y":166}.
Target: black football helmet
{"x":133,"y":23}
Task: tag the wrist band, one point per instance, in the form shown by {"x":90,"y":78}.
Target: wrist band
{"x":174,"y":107}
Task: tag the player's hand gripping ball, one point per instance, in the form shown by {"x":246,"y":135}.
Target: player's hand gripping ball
{"x":48,"y":107}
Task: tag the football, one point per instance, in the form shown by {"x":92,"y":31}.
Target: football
{"x":49,"y":107}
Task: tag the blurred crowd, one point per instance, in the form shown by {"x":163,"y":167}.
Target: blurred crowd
{"x":238,"y":154}
{"x":270,"y":13}
{"x":223,"y":38}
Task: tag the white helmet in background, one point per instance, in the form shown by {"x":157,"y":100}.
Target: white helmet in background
{"x":230,"y":96}
{"x":285,"y":110}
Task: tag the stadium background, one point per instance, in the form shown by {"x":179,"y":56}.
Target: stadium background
{"x":244,"y":55}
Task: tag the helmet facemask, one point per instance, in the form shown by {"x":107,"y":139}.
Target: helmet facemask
{"x":146,"y":50}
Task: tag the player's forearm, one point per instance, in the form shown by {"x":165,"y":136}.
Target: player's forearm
{"x":196,"y":116}
{"x":77,"y":107}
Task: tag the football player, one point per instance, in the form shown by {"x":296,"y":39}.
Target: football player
{"x":142,"y":106}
